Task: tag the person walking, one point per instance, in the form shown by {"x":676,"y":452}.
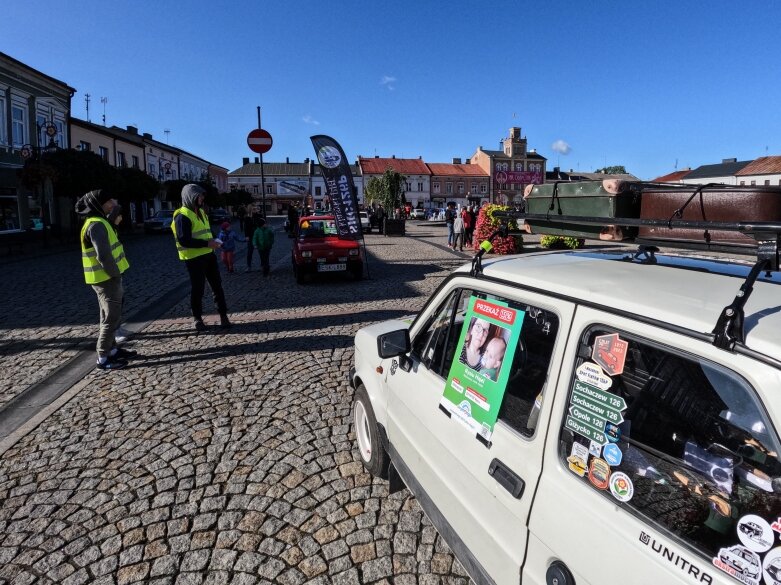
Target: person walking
{"x":458,"y":233}
{"x":248,"y":227}
{"x":228,"y":238}
{"x":450,"y":217}
{"x":292,"y":220}
{"x":467,"y":218}
{"x":381,"y":218}
{"x":194,"y":245}
{"x":472,"y":211}
{"x":103,"y":261}
{"x":263,"y":240}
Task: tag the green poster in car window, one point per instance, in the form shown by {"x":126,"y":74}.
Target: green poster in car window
{"x":484,"y":354}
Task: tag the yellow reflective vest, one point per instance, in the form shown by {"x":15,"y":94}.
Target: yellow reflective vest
{"x":93,"y":270}
{"x":201,"y":231}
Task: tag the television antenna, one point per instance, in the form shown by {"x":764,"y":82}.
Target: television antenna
{"x":86,"y":101}
{"x":104,"y":101}
{"x":166,"y":132}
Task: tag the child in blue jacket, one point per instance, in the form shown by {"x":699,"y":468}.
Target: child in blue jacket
{"x":229,"y":239}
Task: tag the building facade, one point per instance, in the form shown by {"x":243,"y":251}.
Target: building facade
{"x":418,"y":176}
{"x":764,"y":171}
{"x":34,"y":113}
{"x":511,"y":168}
{"x":464,"y":184}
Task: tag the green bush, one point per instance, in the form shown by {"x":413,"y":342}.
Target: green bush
{"x":561,"y":242}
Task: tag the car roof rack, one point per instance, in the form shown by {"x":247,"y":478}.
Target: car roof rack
{"x":729,"y":328}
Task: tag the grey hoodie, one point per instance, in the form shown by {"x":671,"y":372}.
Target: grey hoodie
{"x":190,"y":193}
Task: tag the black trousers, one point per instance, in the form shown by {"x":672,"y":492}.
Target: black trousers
{"x":250,"y":248}
{"x":201,"y":269}
{"x":264,"y":260}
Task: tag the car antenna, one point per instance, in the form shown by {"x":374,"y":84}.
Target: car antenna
{"x":486,"y":246}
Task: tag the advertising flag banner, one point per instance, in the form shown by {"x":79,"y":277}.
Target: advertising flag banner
{"x":478,"y":377}
{"x":339,"y":184}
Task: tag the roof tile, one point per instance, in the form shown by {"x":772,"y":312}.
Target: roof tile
{"x":764,"y":165}
{"x":405,"y":166}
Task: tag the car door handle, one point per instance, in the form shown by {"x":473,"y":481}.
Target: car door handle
{"x":507,"y":478}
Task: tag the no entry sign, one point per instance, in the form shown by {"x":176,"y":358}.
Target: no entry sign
{"x":259,"y":141}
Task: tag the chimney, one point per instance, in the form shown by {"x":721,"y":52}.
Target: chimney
{"x":132,"y":130}
{"x":147,"y":135}
{"x":257,"y":160}
{"x":245,"y":160}
{"x":287,"y":160}
{"x":306,"y":160}
{"x":376,"y":156}
{"x":393,"y":156}
{"x":456,"y":161}
{"x":728,"y":160}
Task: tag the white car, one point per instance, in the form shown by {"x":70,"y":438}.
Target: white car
{"x":366,"y":224}
{"x":418,"y":213}
{"x":538,"y":408}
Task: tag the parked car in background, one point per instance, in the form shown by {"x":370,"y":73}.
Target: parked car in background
{"x":160,"y":222}
{"x":418,"y":213}
{"x":366,"y":223}
{"x":217,"y":216}
{"x":318,"y":249}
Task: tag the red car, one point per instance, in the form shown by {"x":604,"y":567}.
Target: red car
{"x":317,"y":248}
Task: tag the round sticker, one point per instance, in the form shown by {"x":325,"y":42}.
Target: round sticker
{"x":755,"y":533}
{"x":772,"y":567}
{"x":621,"y":486}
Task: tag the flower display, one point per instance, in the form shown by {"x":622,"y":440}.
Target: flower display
{"x":487,"y":224}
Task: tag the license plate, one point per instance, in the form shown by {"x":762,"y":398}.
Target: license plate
{"x":331,"y":267}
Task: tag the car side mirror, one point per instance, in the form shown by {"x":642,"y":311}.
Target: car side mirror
{"x":393,"y":343}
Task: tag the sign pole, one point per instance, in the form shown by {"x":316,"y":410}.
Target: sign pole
{"x":262,"y":176}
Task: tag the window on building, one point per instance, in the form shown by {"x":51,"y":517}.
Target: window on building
{"x":41,"y":123}
{"x":408,"y":185}
{"x":9,"y":214}
{"x":483,"y":188}
{"x":3,"y":136}
{"x":460,"y":188}
{"x":519,"y":166}
{"x":269,"y":189}
{"x":254,"y":188}
{"x":743,"y":182}
{"x":420,"y":186}
{"x":60,"y":137}
{"x":449,"y":188}
{"x":767,"y":181}
{"x":103,"y":152}
{"x":753,"y":183}
{"x":85,"y":146}
{"x":318,"y":191}
{"x":692,"y":444}
{"x":135,"y":161}
{"x":19,"y":124}
{"x":152,"y":169}
{"x":436,"y":186}
{"x":121,"y":162}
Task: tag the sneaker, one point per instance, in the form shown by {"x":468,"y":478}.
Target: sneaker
{"x":121,"y":335}
{"x":224,"y":322}
{"x":200,"y":325}
{"x":124,"y":354}
{"x":111,"y":364}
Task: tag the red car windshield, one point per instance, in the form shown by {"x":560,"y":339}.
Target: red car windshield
{"x":318,"y":228}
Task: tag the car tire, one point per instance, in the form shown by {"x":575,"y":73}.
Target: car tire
{"x":367,"y":435}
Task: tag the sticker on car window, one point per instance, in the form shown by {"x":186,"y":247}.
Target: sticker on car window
{"x":772,"y":566}
{"x":577,"y":459}
{"x":594,"y":413}
{"x":610,"y":353}
{"x":592,"y":374}
{"x":755,"y":533}
{"x":740,"y":563}
{"x":487,"y":343}
{"x":621,"y":486}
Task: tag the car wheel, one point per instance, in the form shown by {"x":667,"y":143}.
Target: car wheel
{"x":367,"y":435}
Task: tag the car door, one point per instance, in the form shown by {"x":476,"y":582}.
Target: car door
{"x":477,"y":492}
{"x":680,"y":455}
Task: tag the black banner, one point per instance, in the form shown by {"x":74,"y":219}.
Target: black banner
{"x":339,"y":184}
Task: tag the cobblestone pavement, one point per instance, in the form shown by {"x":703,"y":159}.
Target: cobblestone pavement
{"x":225,"y":457}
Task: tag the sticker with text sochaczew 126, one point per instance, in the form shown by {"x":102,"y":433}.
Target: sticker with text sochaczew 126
{"x":594,"y":412}
{"x":478,"y":376}
{"x":740,"y":563}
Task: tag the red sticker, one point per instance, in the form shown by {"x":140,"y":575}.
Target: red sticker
{"x":610,"y":353}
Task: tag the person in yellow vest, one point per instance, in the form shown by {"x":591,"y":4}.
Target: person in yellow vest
{"x":195,"y":246}
{"x":103,"y":261}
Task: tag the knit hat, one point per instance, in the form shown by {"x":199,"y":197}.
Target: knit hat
{"x":92,"y":202}
{"x":225,"y":225}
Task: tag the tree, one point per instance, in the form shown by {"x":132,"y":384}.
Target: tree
{"x":387,"y":190}
{"x":238,"y":197}
{"x":614,"y":170}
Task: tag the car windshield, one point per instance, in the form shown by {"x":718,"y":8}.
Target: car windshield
{"x":318,"y":228}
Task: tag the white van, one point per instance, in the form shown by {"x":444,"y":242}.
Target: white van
{"x":593,"y":417}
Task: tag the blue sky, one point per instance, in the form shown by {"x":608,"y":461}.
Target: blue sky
{"x":641,"y":84}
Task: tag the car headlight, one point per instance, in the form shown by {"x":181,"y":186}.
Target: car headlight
{"x":352,"y":252}
{"x":306,"y":254}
